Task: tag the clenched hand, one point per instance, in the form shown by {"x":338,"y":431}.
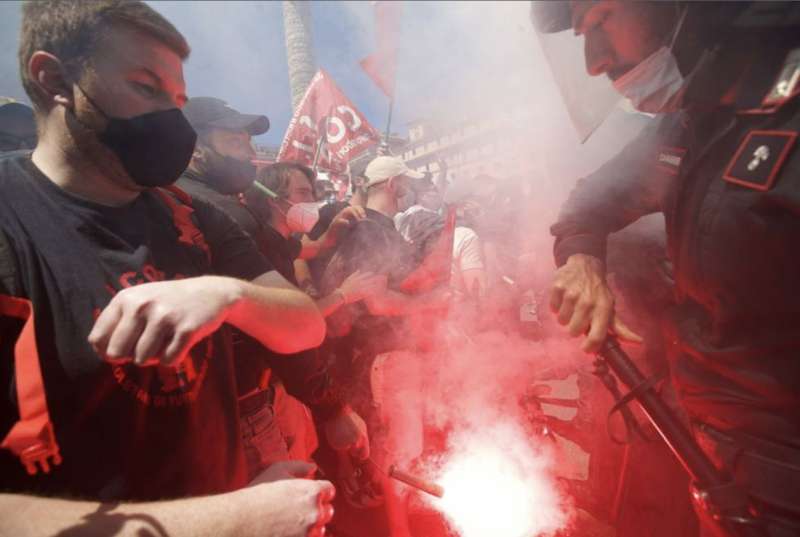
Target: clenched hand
{"x":347,"y":432}
{"x":288,"y":508}
{"x":160,"y":322}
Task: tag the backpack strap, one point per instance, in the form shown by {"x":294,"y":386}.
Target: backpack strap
{"x":180,"y":204}
{"x":32,"y":438}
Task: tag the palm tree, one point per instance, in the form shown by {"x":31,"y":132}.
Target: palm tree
{"x":299,"y":47}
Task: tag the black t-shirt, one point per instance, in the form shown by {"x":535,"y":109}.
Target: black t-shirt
{"x":372,"y":245}
{"x":327,"y":213}
{"x":229,"y":204}
{"x":125,"y":432}
{"x":281,"y":252}
{"x":303,"y":374}
{"x":252,"y":357}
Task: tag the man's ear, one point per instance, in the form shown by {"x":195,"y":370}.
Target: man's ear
{"x":392,"y":183}
{"x":48,"y":76}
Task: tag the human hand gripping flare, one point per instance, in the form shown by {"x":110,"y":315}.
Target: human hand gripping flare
{"x":347,"y":432}
{"x":583,"y":303}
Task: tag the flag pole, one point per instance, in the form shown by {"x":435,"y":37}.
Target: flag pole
{"x":321,"y":143}
{"x":389,"y":122}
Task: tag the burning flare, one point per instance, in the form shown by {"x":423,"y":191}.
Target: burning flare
{"x":496,"y":484}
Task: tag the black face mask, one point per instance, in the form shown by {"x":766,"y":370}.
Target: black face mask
{"x":153,"y":148}
{"x":227,"y":175}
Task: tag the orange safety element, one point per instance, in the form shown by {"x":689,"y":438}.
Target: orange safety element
{"x":188,"y":232}
{"x":32,"y":438}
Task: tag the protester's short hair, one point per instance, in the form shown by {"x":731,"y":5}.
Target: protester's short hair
{"x":277,"y":176}
{"x":72,"y":30}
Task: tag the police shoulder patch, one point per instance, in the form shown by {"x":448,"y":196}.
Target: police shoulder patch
{"x":669,"y":159}
{"x":759,"y":158}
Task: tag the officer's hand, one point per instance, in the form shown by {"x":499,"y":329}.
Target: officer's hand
{"x":347,"y":432}
{"x":160,"y":322}
{"x":583,"y":303}
{"x":290,"y":508}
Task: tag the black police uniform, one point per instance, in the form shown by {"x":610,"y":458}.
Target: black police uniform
{"x":727,"y":178}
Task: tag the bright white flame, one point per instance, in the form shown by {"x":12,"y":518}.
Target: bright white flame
{"x":497,"y":485}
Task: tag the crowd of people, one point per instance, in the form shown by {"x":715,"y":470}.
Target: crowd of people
{"x":187,"y":333}
{"x":195,"y":343}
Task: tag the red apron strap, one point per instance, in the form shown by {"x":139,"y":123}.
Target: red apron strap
{"x":188,"y":232}
{"x":32,"y":438}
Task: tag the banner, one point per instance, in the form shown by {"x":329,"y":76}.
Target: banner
{"x":348,"y":131}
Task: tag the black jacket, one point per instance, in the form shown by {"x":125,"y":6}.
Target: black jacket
{"x":727,"y":179}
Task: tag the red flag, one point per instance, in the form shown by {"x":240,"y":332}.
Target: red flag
{"x":382,"y":64}
{"x":349,"y":132}
{"x":435,"y":268}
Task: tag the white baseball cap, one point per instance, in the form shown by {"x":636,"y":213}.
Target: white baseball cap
{"x":384,"y":168}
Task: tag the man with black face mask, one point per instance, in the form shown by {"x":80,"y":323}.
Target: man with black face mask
{"x":115,"y":300}
{"x":221,"y":165}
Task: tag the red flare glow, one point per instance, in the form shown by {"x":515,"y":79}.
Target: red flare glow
{"x":497,"y":484}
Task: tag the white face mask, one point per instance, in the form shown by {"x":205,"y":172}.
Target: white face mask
{"x":302,"y":217}
{"x":655,"y":84}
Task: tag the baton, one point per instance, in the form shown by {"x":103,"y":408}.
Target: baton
{"x":711,"y":486}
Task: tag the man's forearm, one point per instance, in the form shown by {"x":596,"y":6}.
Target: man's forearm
{"x":624,"y":189}
{"x":567,"y":245}
{"x":30,"y":516}
{"x":330,"y":303}
{"x":312,"y":248}
{"x":277,"y":314}
{"x":393,"y":303}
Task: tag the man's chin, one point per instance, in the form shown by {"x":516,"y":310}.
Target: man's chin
{"x":618,"y":72}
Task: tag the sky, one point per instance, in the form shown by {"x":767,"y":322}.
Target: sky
{"x":238,"y":54}
{"x":455,"y":60}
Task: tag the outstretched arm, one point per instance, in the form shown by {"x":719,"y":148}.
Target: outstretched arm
{"x":619,"y":193}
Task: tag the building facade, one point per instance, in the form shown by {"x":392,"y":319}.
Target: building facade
{"x":497,"y":144}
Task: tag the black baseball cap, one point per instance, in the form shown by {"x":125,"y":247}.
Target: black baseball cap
{"x":17,"y":119}
{"x":209,"y":112}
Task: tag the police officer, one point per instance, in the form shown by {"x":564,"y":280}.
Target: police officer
{"x":722,"y":166}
